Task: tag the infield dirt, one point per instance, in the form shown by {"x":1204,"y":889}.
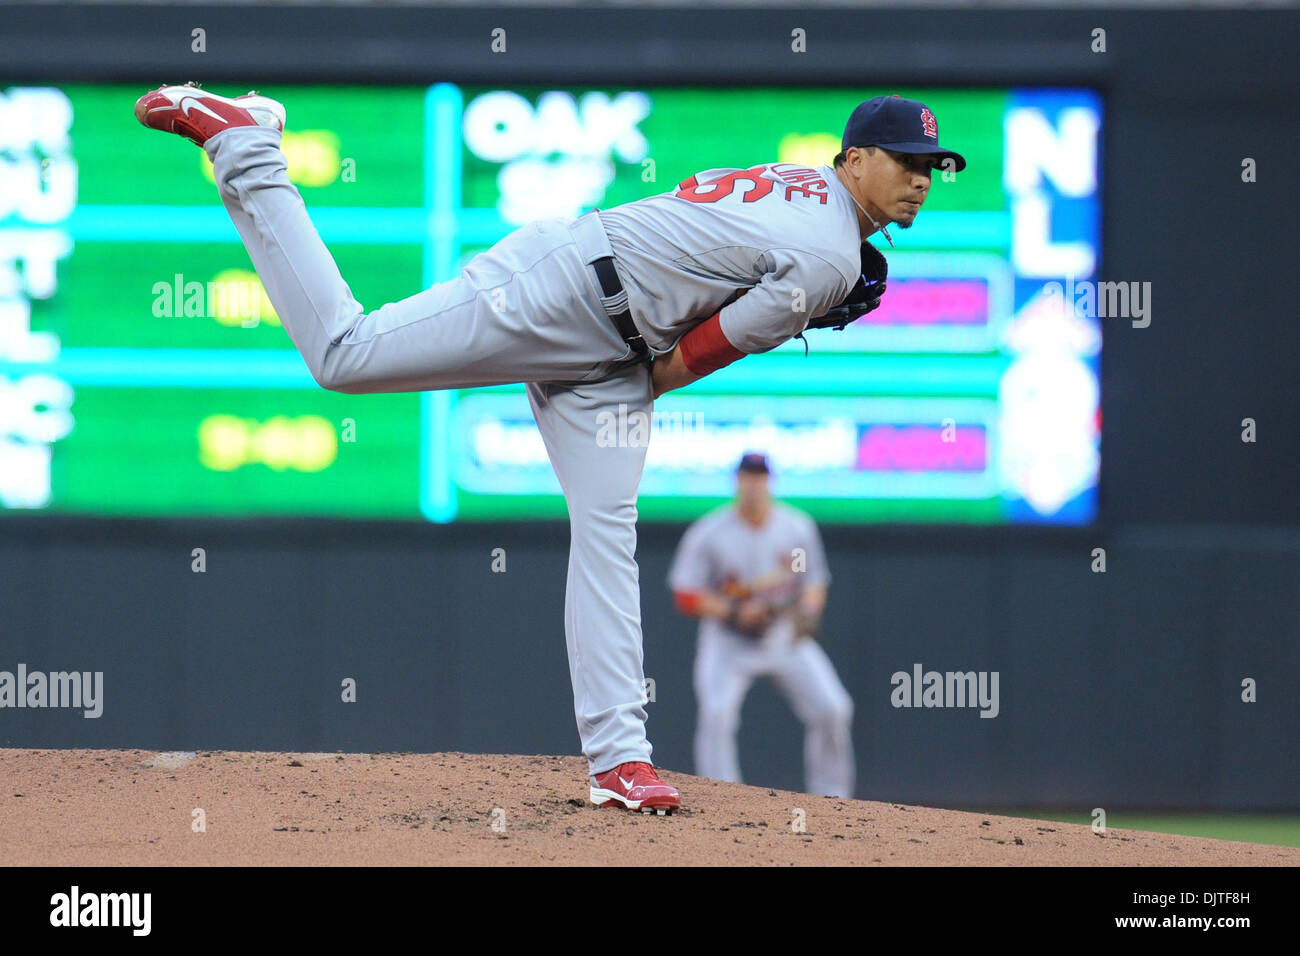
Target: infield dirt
{"x":134,"y":807}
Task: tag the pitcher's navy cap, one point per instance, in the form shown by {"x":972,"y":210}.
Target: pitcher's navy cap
{"x":754,"y":462}
{"x":892,"y":122}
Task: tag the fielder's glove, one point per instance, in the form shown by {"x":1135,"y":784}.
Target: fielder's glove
{"x":755,"y":621}
{"x":865,"y":295}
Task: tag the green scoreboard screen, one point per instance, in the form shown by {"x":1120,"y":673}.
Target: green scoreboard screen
{"x":143,"y":371}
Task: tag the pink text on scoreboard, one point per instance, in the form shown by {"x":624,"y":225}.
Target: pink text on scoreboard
{"x":922,"y":448}
{"x":913,"y":302}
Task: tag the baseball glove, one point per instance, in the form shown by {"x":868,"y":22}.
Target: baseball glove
{"x":865,"y":295}
{"x":754,"y":627}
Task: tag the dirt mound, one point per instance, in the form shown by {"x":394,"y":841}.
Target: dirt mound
{"x":118,"y":807}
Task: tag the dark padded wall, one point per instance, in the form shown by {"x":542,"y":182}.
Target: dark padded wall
{"x":1115,"y":688}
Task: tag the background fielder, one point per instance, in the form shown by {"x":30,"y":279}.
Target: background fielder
{"x":755,"y":573}
{"x":571,"y":308}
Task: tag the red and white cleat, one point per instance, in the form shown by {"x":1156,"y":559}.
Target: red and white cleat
{"x":637,"y":787}
{"x":199,"y":115}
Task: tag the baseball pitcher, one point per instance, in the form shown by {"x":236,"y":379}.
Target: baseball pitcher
{"x":611,"y":309}
{"x":755,"y":574}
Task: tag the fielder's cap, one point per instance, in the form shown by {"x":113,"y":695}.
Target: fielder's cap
{"x":755,"y":462}
{"x":892,"y":122}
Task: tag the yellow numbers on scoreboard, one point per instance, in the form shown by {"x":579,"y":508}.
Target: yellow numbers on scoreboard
{"x":306,"y":443}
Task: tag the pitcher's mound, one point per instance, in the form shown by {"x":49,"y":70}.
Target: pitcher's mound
{"x":134,"y":807}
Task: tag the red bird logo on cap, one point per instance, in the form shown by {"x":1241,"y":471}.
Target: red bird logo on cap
{"x":929,"y":124}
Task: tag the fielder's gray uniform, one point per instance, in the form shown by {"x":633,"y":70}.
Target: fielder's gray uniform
{"x":530,"y":310}
{"x":723,"y":552}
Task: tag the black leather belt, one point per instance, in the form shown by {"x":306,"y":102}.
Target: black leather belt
{"x":613,"y":289}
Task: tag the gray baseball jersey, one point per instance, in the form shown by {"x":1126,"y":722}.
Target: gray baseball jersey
{"x":725,"y":553}
{"x":788,"y":232}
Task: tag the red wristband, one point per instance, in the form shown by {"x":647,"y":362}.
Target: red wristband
{"x":705,"y":349}
{"x":688,"y":602}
